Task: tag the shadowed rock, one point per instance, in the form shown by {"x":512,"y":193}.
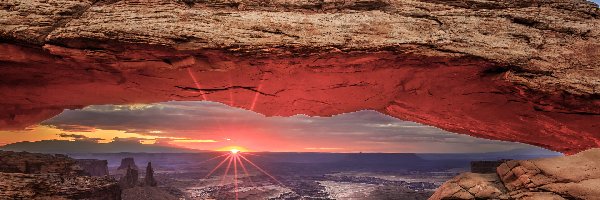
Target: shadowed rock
{"x":94,"y":167}
{"x":127,"y":163}
{"x":130,"y":179}
{"x":37,"y":163}
{"x":149,"y":179}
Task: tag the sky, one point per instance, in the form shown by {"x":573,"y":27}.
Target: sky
{"x":215,"y":126}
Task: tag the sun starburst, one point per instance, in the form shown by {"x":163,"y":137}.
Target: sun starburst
{"x":235,"y":157}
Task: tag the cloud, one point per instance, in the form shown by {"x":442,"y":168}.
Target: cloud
{"x":74,"y":128}
{"x":130,"y":139}
{"x":74,"y":136}
{"x":192,"y":141}
{"x":78,"y":137}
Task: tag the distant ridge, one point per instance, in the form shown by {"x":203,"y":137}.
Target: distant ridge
{"x":69,"y":147}
{"x":520,"y":153}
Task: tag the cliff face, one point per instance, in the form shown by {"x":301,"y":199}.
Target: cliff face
{"x":522,"y":71}
{"x":93,"y":167}
{"x":569,"y":177}
{"x":53,"y":177}
{"x":37,"y":163}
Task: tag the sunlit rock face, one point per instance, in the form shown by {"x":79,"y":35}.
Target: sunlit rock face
{"x":569,"y":177}
{"x":508,"y":70}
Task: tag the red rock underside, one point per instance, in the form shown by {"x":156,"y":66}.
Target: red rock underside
{"x":460,"y":94}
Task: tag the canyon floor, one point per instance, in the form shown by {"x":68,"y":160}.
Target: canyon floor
{"x":300,"y":175}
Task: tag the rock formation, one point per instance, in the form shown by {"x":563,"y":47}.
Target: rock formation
{"x":149,"y":178}
{"x":128,"y":173}
{"x":523,"y":70}
{"x":127,"y":163}
{"x":41,"y":176}
{"x":130,"y":179}
{"x":94,"y":167}
{"x":569,"y":177}
{"x":37,"y":163}
{"x":55,"y":186}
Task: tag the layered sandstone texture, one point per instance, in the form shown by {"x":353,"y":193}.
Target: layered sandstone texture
{"x":559,"y":178}
{"x":512,"y":70}
{"x":37,"y":163}
{"x":41,"y":176}
{"x":55,"y":186}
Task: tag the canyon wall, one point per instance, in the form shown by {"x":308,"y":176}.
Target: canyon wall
{"x":41,"y":176}
{"x":523,"y":71}
{"x":37,"y":163}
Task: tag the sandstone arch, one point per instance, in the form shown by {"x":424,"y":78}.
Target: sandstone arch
{"x":507,"y":70}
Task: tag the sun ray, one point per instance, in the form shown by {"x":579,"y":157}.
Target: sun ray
{"x":256,"y":94}
{"x":217,"y":167}
{"x":261,"y":170}
{"x":214,"y":158}
{"x":236,"y":158}
{"x":245,"y":171}
{"x":226,"y":170}
{"x":251,"y":154}
{"x":225,"y":174}
{"x":196,"y":83}
{"x":235,"y":175}
{"x":231,"y":101}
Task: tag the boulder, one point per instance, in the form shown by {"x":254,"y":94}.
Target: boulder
{"x":568,"y":177}
{"x":472,"y":186}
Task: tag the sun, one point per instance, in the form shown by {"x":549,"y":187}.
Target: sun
{"x":233,"y":149}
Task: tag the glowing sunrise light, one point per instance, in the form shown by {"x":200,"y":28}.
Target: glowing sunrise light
{"x":237,"y":158}
{"x":232,"y":148}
